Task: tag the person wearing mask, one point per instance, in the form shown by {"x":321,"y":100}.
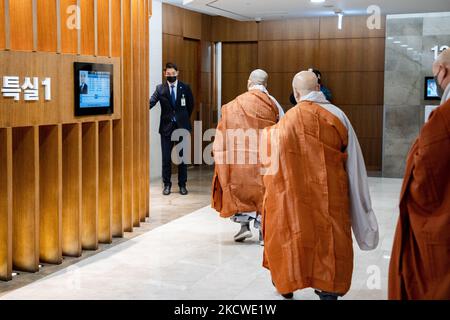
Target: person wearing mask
{"x":318,"y":195}
{"x":324,"y":89}
{"x":237,"y":187}
{"x":420,"y":259}
{"x":177,"y":104}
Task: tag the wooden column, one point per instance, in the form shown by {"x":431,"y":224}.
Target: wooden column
{"x":105,"y":182}
{"x":26,"y":199}
{"x":5,"y":204}
{"x":117,"y":214}
{"x":89,"y":231}
{"x":72,"y":189}
{"x":50,"y":170}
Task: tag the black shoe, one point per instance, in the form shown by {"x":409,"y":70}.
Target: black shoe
{"x":183,"y":191}
{"x":166,"y":190}
{"x":326,"y":295}
{"x":289,"y":295}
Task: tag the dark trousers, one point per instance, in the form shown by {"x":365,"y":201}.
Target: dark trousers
{"x":166,"y":147}
{"x":326,"y":295}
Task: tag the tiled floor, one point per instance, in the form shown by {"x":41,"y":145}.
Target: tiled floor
{"x":194,"y":257}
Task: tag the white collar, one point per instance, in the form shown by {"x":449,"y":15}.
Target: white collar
{"x":446,"y":95}
{"x":259,"y":87}
{"x":315,"y":96}
{"x":175,"y":84}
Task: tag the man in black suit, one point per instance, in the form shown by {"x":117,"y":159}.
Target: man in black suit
{"x":177,"y":104}
{"x":83,"y":85}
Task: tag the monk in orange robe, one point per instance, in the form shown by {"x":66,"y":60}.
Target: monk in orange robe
{"x":316,"y":197}
{"x":238,"y":188}
{"x":420,"y":260}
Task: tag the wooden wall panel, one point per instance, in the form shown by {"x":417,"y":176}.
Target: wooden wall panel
{"x":352,"y":27}
{"x":287,"y":56}
{"x":192,"y":24}
{"x":69,"y":33}
{"x":127,"y":67}
{"x":116,"y":28}
{"x":87,"y":31}
{"x":224,"y":29}
{"x":103,"y":27}
{"x":352,"y":54}
{"x":353,"y":87}
{"x":26,"y":199}
{"x":280,"y":86}
{"x":21,"y":25}
{"x":2,"y":26}
{"x":137,"y":118}
{"x":173,"y":50}
{"x":72,"y":189}
{"x":289,"y":29}
{"x":6,"y":206}
{"x":50,"y":201}
{"x":105,"y":183}
{"x":118,"y":208}
{"x":172,"y":20}
{"x":239,"y":56}
{"x":146,"y":64}
{"x":89,"y":234}
{"x":46,"y":26}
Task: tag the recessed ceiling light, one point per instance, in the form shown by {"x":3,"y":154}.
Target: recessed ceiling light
{"x":317,"y":1}
{"x":410,"y":49}
{"x":397,"y":42}
{"x":390,"y":38}
{"x":404,"y":45}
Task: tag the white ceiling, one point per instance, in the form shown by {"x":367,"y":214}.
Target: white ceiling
{"x":282,"y":9}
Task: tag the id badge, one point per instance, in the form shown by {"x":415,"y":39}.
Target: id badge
{"x":183,"y":101}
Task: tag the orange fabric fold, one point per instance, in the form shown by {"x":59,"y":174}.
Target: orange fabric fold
{"x":306,"y":214}
{"x":420,"y":259}
{"x":239,"y":187}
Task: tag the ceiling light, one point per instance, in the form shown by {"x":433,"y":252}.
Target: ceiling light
{"x":317,"y":1}
{"x":397,"y":42}
{"x":410,"y":49}
{"x":404,"y":45}
{"x":341,"y":17}
{"x":390,"y":38}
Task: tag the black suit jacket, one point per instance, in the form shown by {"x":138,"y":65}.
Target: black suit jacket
{"x":182,"y":113}
{"x":84,"y":89}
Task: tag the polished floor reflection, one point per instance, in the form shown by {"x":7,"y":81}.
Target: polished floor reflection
{"x":193,"y":256}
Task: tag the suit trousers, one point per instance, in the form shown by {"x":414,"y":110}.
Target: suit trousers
{"x":166,"y":148}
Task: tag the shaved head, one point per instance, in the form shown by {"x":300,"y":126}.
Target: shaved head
{"x":441,"y":69}
{"x":304,"y":83}
{"x":258,"y":77}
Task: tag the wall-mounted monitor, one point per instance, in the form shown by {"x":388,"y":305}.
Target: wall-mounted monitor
{"x":431,"y":89}
{"x":94,"y":92}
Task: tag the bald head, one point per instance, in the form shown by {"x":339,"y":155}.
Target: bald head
{"x":258,"y":77}
{"x":441,"y":69}
{"x":304,"y":83}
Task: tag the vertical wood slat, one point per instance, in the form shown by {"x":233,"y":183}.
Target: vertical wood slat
{"x":21,"y":25}
{"x":116,"y":26}
{"x":137,"y":216}
{"x":72,"y":189}
{"x":103,"y":27}
{"x":146,"y":113}
{"x":87,"y":32}
{"x":69,"y":34}
{"x":46,"y":26}
{"x":117,"y":214}
{"x":26,"y":199}
{"x":6,"y":163}
{"x":127,"y":111}
{"x":2,"y":25}
{"x":105,"y":181}
{"x":50,"y":201}
{"x":143,"y":110}
{"x":89,"y":232}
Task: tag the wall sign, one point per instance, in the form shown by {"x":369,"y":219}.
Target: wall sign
{"x":11,"y":88}
{"x":438,"y":49}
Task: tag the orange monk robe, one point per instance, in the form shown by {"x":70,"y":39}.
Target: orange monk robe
{"x":306,"y":215}
{"x":420,"y":260}
{"x":239,"y":188}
